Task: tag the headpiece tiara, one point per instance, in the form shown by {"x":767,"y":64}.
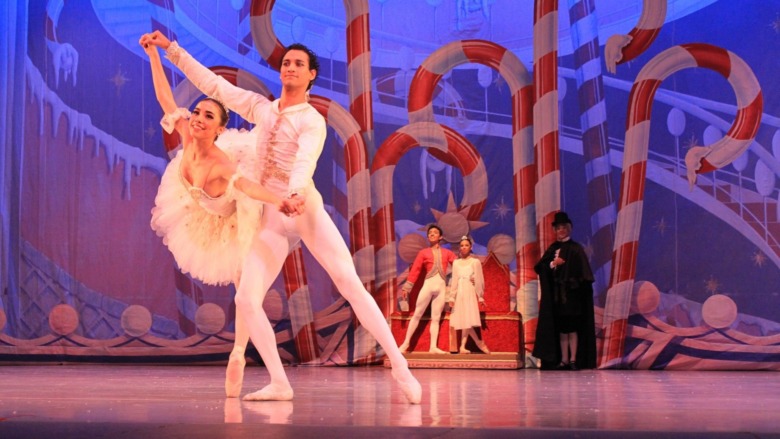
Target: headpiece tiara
{"x":221,"y":104}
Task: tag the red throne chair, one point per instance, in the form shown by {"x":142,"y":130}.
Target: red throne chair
{"x":502,"y":328}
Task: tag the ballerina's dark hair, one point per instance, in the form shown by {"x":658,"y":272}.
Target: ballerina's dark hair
{"x":224,"y":115}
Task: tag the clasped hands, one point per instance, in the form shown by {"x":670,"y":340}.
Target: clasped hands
{"x":155,"y":38}
{"x":292,"y":206}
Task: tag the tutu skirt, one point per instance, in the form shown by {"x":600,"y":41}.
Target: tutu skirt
{"x":209,"y":237}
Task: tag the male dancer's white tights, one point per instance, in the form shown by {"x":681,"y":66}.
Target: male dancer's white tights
{"x":433,"y":290}
{"x":276,"y":235}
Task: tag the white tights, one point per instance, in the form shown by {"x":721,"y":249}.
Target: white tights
{"x":433,"y":290}
{"x":276,"y":236}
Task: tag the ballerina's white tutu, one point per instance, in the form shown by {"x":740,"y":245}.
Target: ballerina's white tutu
{"x":209,"y":237}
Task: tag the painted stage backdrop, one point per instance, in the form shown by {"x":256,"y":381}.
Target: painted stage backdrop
{"x":653,"y":123}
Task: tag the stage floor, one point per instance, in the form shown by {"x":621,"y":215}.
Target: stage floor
{"x":127,"y":401}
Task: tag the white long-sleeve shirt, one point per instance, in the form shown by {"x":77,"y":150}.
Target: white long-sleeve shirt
{"x":289,"y":141}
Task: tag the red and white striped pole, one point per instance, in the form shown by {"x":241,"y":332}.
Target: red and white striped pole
{"x":721,"y":153}
{"x":545,"y":116}
{"x":595,"y":137}
{"x":624,"y":48}
{"x":359,"y":69}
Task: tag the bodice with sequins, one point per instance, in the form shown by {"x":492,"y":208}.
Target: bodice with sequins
{"x":222,"y":205}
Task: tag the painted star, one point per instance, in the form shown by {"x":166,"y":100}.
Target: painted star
{"x":712,"y":285}
{"x":588,"y":247}
{"x":501,"y":210}
{"x":119,"y":79}
{"x":150,"y":131}
{"x":416,"y":207}
{"x":499,"y":82}
{"x":776,"y":24}
{"x":451,"y":213}
{"x":660,"y":226}
{"x":759,"y":259}
{"x":690,"y":142}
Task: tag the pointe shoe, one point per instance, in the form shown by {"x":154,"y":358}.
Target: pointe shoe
{"x":234,"y":376}
{"x":436,"y":350}
{"x":404,"y":348}
{"x":271,"y":393}
{"x":483,"y":347}
{"x":409,"y":386}
{"x":464,"y":351}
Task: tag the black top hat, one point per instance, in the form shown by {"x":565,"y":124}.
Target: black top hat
{"x":561,"y":218}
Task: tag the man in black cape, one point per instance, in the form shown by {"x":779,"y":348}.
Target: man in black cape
{"x":565,"y":331}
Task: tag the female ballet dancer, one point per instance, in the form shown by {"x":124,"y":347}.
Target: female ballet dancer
{"x":205,"y":209}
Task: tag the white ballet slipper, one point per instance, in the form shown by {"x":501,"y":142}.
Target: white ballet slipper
{"x":409,"y":385}
{"x":436,"y":350}
{"x":271,"y":393}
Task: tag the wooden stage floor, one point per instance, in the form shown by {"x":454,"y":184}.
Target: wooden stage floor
{"x":128,"y":401}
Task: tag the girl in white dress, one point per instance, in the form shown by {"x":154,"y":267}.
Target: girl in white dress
{"x":466,"y":292}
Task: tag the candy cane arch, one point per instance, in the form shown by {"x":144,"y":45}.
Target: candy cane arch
{"x":734,"y":143}
{"x":545,"y":117}
{"x":456,"y":151}
{"x":420,"y":106}
{"x":595,"y":142}
{"x":358,"y":57}
{"x":624,"y":48}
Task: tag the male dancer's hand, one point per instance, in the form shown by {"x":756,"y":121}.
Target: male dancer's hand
{"x":292,"y":206}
